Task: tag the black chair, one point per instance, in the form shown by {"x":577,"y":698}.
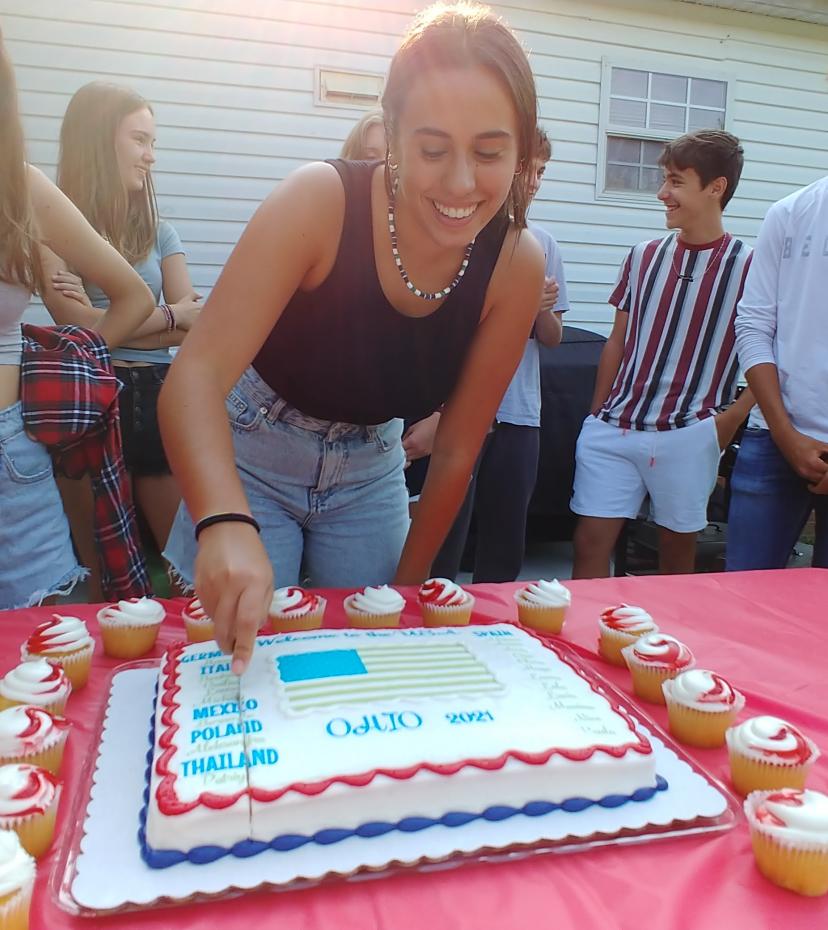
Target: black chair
{"x":567,"y":382}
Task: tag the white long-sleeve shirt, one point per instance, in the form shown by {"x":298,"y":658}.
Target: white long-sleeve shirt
{"x":782,"y":317}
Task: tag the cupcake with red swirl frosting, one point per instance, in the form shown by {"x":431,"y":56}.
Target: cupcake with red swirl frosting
{"x":17,"y":874}
{"x":63,"y":641}
{"x":542,"y":605}
{"x":444,"y":603}
{"x":701,"y":705}
{"x":293,"y":609}
{"x":36,"y":682}
{"x":197,"y":622}
{"x":789,"y":835}
{"x":374,"y":607}
{"x":130,"y":628}
{"x":768,"y":752}
{"x":28,"y":805}
{"x":32,"y":735}
{"x":652,"y":659}
{"x":618,"y":627}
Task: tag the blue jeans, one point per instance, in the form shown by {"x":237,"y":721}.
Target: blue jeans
{"x":36,"y":555}
{"x":330,"y":497}
{"x":768,"y":508}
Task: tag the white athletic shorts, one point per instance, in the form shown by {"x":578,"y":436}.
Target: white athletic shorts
{"x":615,"y":469}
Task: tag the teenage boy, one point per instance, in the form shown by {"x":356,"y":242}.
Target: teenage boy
{"x":669,"y":369}
{"x":504,"y":478}
{"x":781,"y":472}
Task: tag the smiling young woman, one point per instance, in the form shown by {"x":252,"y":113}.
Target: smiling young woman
{"x":347,"y":284}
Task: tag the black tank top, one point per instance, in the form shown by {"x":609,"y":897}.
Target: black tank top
{"x":341,"y":352}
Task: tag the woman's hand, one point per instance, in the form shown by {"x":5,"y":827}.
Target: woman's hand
{"x":71,"y":286}
{"x":419,"y":438}
{"x":186,"y":312}
{"x":234,"y":581}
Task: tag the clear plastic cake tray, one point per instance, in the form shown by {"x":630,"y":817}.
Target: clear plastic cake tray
{"x":100,"y":870}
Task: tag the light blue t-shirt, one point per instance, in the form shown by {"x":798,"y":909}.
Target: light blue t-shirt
{"x":166,"y":243}
{"x":521,"y":404}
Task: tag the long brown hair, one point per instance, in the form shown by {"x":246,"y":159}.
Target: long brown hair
{"x":19,"y":257}
{"x":88,"y":169}
{"x":452,"y":35}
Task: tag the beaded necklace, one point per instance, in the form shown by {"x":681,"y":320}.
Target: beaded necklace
{"x":425,"y":295}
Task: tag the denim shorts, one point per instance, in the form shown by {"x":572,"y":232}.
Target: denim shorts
{"x":138,"y":405}
{"x":36,"y":555}
{"x":330,"y":497}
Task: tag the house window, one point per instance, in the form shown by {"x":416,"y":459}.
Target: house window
{"x":640,"y":111}
{"x":348,"y":88}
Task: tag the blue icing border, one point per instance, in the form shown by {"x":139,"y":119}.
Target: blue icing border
{"x":164,"y":858}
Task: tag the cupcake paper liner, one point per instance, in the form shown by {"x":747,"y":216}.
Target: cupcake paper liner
{"x":14,"y":909}
{"x":796,"y":865}
{"x":611,"y":642}
{"x":540,"y":617}
{"x":804,"y":871}
{"x":362,"y":620}
{"x":449,"y":615}
{"x":647,"y":680}
{"x":702,"y":728}
{"x":35,"y":830}
{"x":55,"y":708}
{"x":127,"y":642}
{"x":287,"y":623}
{"x":755,"y":775}
{"x":199,"y":631}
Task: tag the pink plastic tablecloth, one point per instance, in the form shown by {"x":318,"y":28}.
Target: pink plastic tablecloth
{"x":765,"y":631}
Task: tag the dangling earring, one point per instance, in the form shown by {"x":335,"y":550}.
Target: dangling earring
{"x":392,"y":178}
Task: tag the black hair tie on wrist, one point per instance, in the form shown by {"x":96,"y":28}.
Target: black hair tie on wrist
{"x":225,"y":518}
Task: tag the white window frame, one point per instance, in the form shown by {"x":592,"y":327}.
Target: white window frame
{"x":653,"y":63}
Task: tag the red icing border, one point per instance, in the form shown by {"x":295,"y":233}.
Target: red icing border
{"x":170,"y":805}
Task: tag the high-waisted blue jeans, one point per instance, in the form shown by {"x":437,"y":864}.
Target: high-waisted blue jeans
{"x":330,"y":497}
{"x":769,"y":505}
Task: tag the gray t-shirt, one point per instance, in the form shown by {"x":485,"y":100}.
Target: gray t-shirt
{"x":166,"y":243}
{"x":521,"y":404}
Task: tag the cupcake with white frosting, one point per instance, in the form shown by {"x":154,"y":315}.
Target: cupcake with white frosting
{"x":789,"y":835}
{"x":654,"y":658}
{"x":542,"y":605}
{"x":28,"y":805}
{"x":17,"y":874}
{"x":768,"y":752}
{"x":130,"y":628}
{"x":374,"y":607}
{"x":701,"y":705}
{"x":293,"y":609}
{"x":444,"y":603}
{"x":63,"y":641}
{"x":197,"y":623}
{"x":618,"y":627}
{"x":32,"y":735}
{"x":36,"y":682}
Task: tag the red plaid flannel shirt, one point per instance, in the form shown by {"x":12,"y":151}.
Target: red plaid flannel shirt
{"x":70,"y":404}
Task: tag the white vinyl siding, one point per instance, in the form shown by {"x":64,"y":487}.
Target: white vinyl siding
{"x":233,"y":88}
